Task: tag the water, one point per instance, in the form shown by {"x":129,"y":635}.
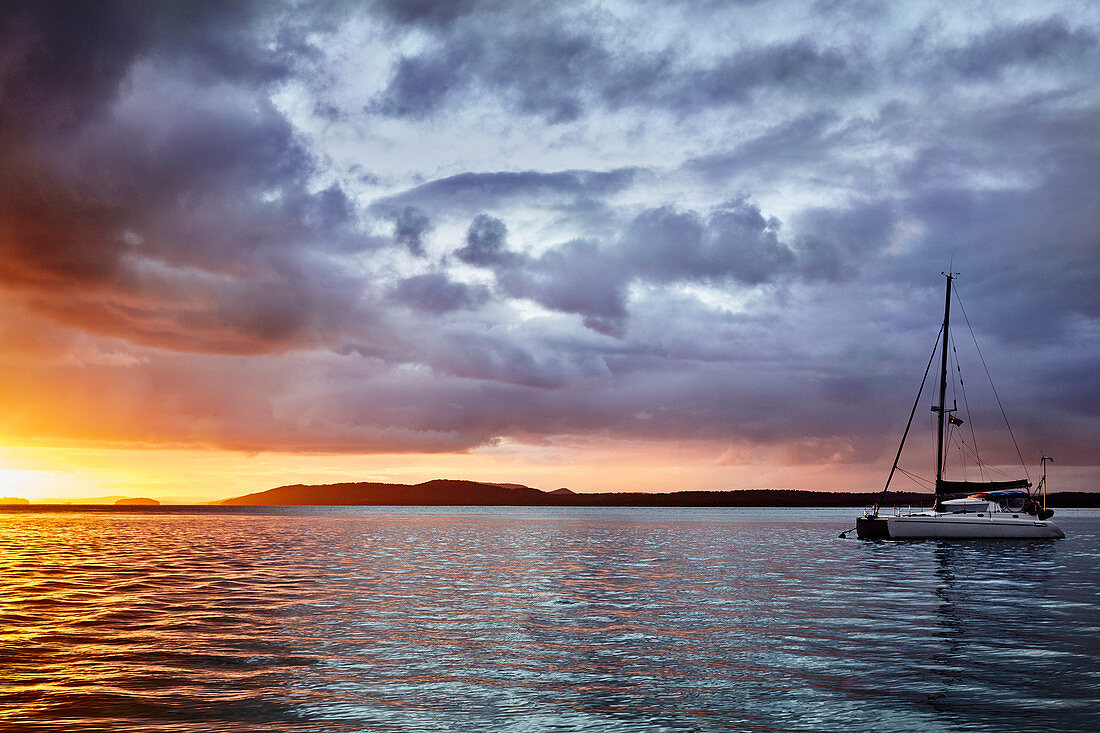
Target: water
{"x":547,"y":619}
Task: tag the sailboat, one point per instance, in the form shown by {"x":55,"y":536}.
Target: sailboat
{"x":962,"y":509}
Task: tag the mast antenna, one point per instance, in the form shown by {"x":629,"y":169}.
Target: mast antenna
{"x":1044,"y":460}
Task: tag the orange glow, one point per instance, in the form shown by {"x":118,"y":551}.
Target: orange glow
{"x":87,"y":416}
{"x":197,"y":475}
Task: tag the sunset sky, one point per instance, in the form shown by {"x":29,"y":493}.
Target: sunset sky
{"x":610,"y":246}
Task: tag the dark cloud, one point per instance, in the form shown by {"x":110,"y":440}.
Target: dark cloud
{"x":410,"y":224}
{"x":733,"y":236}
{"x":473,"y":192}
{"x":486,"y":243}
{"x":420,"y":85}
{"x":539,"y":68}
{"x":432,"y":12}
{"x":1047,"y":277}
{"x":790,"y":144}
{"x":138,"y":201}
{"x":483,"y":357}
{"x":734,"y":242}
{"x":435,"y":293}
{"x":65,"y":61}
{"x":556,"y":66}
{"x":575,"y":277}
{"x":1050,"y":41}
{"x":664,"y":244}
{"x":1027,"y":247}
{"x":835,"y":243}
{"x":742,"y":244}
{"x":799,"y":65}
{"x":546,"y":73}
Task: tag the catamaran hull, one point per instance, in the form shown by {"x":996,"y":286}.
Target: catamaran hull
{"x":919,"y":527}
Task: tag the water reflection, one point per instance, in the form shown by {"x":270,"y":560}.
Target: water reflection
{"x":544,"y":619}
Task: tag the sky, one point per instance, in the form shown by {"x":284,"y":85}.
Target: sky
{"x":602,"y":245}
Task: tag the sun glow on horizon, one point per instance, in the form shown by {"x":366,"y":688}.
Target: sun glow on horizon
{"x":200,"y":475}
{"x":39,"y":483}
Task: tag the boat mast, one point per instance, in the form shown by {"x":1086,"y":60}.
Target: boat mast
{"x":940,"y":409}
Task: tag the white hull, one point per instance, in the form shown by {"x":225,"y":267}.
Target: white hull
{"x":963,"y":526}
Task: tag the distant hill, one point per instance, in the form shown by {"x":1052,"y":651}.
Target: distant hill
{"x":448,"y":492}
{"x":136,"y":501}
{"x":1073,"y":499}
{"x":440,"y":492}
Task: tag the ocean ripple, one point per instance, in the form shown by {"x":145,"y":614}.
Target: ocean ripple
{"x":542,"y":619}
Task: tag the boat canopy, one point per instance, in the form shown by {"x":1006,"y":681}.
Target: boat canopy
{"x":1009,"y":494}
{"x":953,"y":489}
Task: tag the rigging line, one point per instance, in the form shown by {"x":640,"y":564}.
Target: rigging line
{"x":1003,"y":474}
{"x":970,"y":451}
{"x":925,"y":483}
{"x":958,"y":442}
{"x":987,"y":468}
{"x":970,"y":418}
{"x":911,"y":414}
{"x":954,"y":440}
{"x":953,"y":361}
{"x":953,"y":435}
{"x":993,"y":386}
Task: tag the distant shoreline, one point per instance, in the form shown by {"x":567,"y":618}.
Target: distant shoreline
{"x":448,"y":492}
{"x":216,"y":508}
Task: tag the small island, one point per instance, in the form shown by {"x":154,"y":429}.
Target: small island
{"x":15,"y":500}
{"x":136,"y":501}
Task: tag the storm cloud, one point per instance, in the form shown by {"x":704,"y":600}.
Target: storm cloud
{"x":413,"y":227}
{"x":149,"y":177}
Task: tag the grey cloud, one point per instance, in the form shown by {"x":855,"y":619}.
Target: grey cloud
{"x":742,"y":244}
{"x":664,"y":245}
{"x":474,"y":356}
{"x":437,"y":294}
{"x":1045,"y":273}
{"x":154,"y":193}
{"x":432,"y":12}
{"x":547,"y":73}
{"x":797,"y":65}
{"x":555,"y":68}
{"x":420,"y":85}
{"x":541,"y":68}
{"x":833,"y":244}
{"x":735,"y":241}
{"x":576,"y":277}
{"x":786,"y":145}
{"x":410,"y":225}
{"x":65,"y":61}
{"x":1050,"y":40}
{"x":486,"y":244}
{"x":152,"y":196}
{"x":57,"y":68}
{"x":471,"y":192}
